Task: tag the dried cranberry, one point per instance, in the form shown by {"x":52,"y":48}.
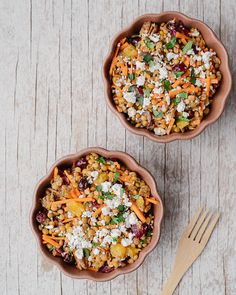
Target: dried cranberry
{"x":83,"y":183}
{"x":41,"y":217}
{"x":181,"y":28}
{"x":190,"y":114}
{"x":82,"y":163}
{"x":134,"y":40}
{"x":59,"y":251}
{"x":139,"y":231}
{"x":140,"y":90}
{"x":172,"y":27}
{"x":194,"y":49}
{"x":95,"y":204}
{"x":180,"y":67}
{"x":65,"y":179}
{"x":105,"y":268}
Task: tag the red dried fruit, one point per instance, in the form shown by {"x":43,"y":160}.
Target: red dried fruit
{"x":41,"y":217}
{"x":134,"y":41}
{"x":180,"y":67}
{"x":105,"y":268}
{"x":140,"y":90}
{"x":139,"y":231}
{"x":83,"y":183}
{"x":82,"y":163}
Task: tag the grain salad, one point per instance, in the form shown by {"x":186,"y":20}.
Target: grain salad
{"x":164,"y":78}
{"x":96,"y":214}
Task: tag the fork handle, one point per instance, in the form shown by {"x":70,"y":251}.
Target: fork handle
{"x":173,"y":281}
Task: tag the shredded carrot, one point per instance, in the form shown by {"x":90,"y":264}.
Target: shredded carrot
{"x":177,"y":83}
{"x":186,"y":85}
{"x":208,"y":84}
{"x":55,"y":172}
{"x":51,"y":241}
{"x":183,"y":41}
{"x":187,"y":61}
{"x":122,"y":41}
{"x":136,"y":210}
{"x":213,"y":80}
{"x":124,"y":69}
{"x":172,"y":121}
{"x":70,"y":178}
{"x":109,"y":226}
{"x":54,"y":238}
{"x":81,"y":200}
{"x":186,"y":74}
{"x":152,"y":200}
{"x":69,"y":219}
{"x":181,"y":36}
{"x":99,"y":210}
{"x":124,"y":178}
{"x":123,"y":46}
{"x":174,"y":92}
{"x":93,"y":269}
{"x":114,"y":58}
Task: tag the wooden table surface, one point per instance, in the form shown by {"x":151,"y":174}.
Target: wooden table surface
{"x":52,"y":104}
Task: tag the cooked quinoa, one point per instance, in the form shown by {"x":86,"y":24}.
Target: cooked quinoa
{"x":164,"y":78}
{"x":97,"y":214}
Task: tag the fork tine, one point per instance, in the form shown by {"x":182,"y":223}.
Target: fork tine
{"x":199,"y":224}
{"x":209,"y":230}
{"x":193,"y":221}
{"x":203,"y":228}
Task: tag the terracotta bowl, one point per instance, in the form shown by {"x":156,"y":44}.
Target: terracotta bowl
{"x":70,"y":270}
{"x":212,"y":41}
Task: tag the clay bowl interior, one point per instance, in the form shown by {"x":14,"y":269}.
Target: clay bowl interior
{"x":66,"y":162}
{"x":212,"y":41}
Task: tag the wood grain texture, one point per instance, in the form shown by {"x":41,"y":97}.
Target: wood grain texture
{"x":52,"y":104}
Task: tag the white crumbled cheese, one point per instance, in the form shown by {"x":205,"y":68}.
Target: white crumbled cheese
{"x":202,"y":75}
{"x":158,"y":90}
{"x":106,"y":240}
{"x":167,"y":118}
{"x":181,"y":107}
{"x":140,"y":65}
{"x":159,"y":131}
{"x":196,"y":58}
{"x":79,"y":253}
{"x":115,"y":233}
{"x":69,"y":214}
{"x":131,"y":112}
{"x":94,"y":174}
{"x":198,"y":83}
{"x":194,"y":33}
{"x":133,"y":219}
{"x":154,"y":38}
{"x":198,"y":70}
{"x":48,"y":226}
{"x":96,"y":251}
{"x":127,"y":241}
{"x":146,"y":101}
{"x":126,"y":201}
{"x":130,"y":97}
{"x":206,"y":58}
{"x":122,"y":228}
{"x":163,"y":74}
{"x":155,"y":66}
{"x":102,"y":222}
{"x":163,"y":108}
{"x":140,"y":80}
{"x":171,"y":55}
{"x":93,"y":220}
{"x":167,"y":98}
{"x":102,"y":233}
{"x":190,"y":52}
{"x":87,"y":214}
{"x":106,"y":210}
{"x":76,"y":239}
{"x":185,"y":114}
{"x":114,"y":203}
{"x":105,"y":186}
{"x":116,"y":189}
{"x":90,"y":258}
{"x":157,"y":84}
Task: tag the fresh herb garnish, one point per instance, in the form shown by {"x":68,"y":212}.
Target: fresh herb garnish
{"x":140,"y":100}
{"x":171,"y":44}
{"x":149,"y":233}
{"x":182,"y":95}
{"x":151,"y":63}
{"x":95,"y":244}
{"x":114,"y":239}
{"x":147,"y":57}
{"x":122,"y":190}
{"x":116,"y":176}
{"x":131,"y":76}
{"x":119,"y":218}
{"x":131,"y":88}
{"x":111,"y":162}
{"x":192,"y":76}
{"x":178,"y":74}
{"x":101,"y":160}
{"x":157,"y":114}
{"x":176,"y":100}
{"x":147,"y":92}
{"x":167,"y":85}
{"x":149,"y":43}
{"x":135,"y":197}
{"x":86,"y":252}
{"x":99,"y":188}
{"x":187,"y":47}
{"x":106,"y":195}
{"x":121,"y":208}
{"x":182,"y":119}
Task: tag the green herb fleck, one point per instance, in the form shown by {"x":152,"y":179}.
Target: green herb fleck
{"x":116,"y":176}
{"x":157,"y":114}
{"x":122,"y":190}
{"x":119,"y":218}
{"x":147,"y":57}
{"x":151,"y":63}
{"x":135,"y":197}
{"x":101,"y":160}
{"x":121,"y":208}
{"x":95,"y":244}
{"x":149,"y":233}
{"x":114,"y":239}
{"x":192,"y":76}
{"x":131,"y":88}
{"x":147,"y":92}
{"x":167,"y":85}
{"x":187,"y":47}
{"x":131,"y":76}
{"x":86,"y":252}
{"x":178,"y":74}
{"x":182,"y":119}
{"x":106,"y":195}
{"x":140,"y":100}
{"x":111,"y":162}
{"x":99,"y":188}
{"x":171,"y":44}
{"x":176,"y":100}
{"x":149,"y":43}
{"x":102,"y":197}
{"x":182,"y":95}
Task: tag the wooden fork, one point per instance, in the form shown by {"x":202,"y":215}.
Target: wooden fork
{"x":191,"y":245}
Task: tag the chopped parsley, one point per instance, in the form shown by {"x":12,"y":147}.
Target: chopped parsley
{"x":86,"y":252}
{"x":182,"y":119}
{"x":95,"y":244}
{"x":116,"y":176}
{"x":147,"y":57}
{"x":149,"y":233}
{"x":131,"y":76}
{"x":135,"y":197}
{"x":176,"y":100}
{"x":140,"y":100}
{"x":157,"y":114}
{"x":149,"y":43}
{"x":121,"y":208}
{"x":182,"y":95}
{"x":106,"y":195}
{"x":178,"y":74}
{"x":131,"y":88}
{"x":114,"y":239}
{"x":192,"y":76}
{"x":111,"y":162}
{"x":167,"y":85}
{"x":122,"y":190}
{"x":101,"y":160}
{"x":117,"y":219}
{"x":147,"y":92}
{"x":187,"y":47}
{"x":99,"y":188}
{"x":171,"y":44}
